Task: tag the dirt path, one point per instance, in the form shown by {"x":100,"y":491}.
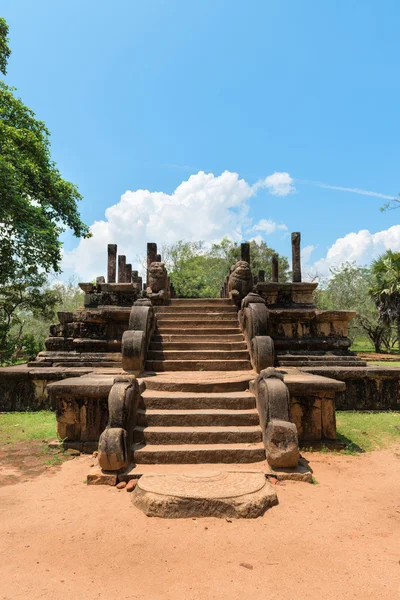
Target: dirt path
{"x":337,"y":539}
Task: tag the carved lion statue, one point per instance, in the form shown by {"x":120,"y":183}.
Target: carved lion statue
{"x":157,"y":284}
{"x":240,"y":281}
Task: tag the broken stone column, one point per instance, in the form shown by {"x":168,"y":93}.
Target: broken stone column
{"x":135,"y":276}
{"x":112,"y":263}
{"x":245,"y":252}
{"x":275,"y":268}
{"x":158,"y":258}
{"x":128,"y":273}
{"x":151,"y":255}
{"x":296,"y":262}
{"x":261,"y":276}
{"x":121,"y":268}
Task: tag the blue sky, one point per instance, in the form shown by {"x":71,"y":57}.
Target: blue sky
{"x":141,"y":95}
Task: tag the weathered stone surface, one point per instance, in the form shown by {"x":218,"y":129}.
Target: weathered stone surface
{"x":240,"y":282}
{"x":262,"y":353}
{"x":130,"y":486}
{"x":133,"y":351}
{"x":281,"y":444}
{"x":217,"y":494}
{"x":111,"y":263}
{"x":115,"y":445}
{"x":98,"y":477}
{"x":157,"y":283}
{"x":121,"y":485}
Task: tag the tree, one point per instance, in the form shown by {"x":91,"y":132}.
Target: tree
{"x":392,"y":204}
{"x":348,"y":289}
{"x":24,"y":299}
{"x":36,"y":203}
{"x":385,"y":289}
{"x":198,"y":271}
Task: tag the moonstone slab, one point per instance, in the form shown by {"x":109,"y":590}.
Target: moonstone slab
{"x":210,"y":494}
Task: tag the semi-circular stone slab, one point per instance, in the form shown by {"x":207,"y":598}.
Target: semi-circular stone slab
{"x":209,"y":494}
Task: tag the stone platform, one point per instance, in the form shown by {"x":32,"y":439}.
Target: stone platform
{"x":211,"y":494}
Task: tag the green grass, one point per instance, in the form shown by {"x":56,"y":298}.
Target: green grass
{"x":25,"y":426}
{"x":368,"y":431}
{"x":362,"y":345}
{"x":385,"y":363}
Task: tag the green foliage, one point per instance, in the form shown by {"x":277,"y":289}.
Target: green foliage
{"x":4,"y":47}
{"x":199,"y":272}
{"x":385,"y":288}
{"x":27,"y":309}
{"x":26,"y":297}
{"x":36,"y":204}
{"x":392,"y":204}
{"x":348,"y":289}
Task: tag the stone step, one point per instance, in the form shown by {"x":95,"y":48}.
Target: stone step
{"x":201,"y":302}
{"x":197,"y":365}
{"x":198,"y":418}
{"x":230,"y":400}
{"x":318,"y":357}
{"x":194,"y":345}
{"x":199,"y":453}
{"x":197,"y":354}
{"x":176,"y":337}
{"x":310,"y":363}
{"x":201,"y":383}
{"x":198,"y":320}
{"x":195,"y":308}
{"x":197,"y":435}
{"x":197,"y":330}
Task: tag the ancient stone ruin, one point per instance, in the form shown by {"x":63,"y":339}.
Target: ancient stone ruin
{"x":150,"y":379}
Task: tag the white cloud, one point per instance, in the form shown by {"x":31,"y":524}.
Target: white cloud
{"x":204,"y":207}
{"x":361,"y":248}
{"x":277,"y":184}
{"x":306,"y":253}
{"x":267,"y":226}
{"x":354,"y":191}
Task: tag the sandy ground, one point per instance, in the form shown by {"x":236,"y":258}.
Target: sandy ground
{"x":338,"y":539}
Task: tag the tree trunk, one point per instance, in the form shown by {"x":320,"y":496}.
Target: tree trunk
{"x":398,"y":333}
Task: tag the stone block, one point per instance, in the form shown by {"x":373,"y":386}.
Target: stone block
{"x":281,"y":444}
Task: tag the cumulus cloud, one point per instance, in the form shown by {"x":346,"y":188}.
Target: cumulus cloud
{"x":204,"y":207}
{"x":306,"y":253}
{"x":361,"y":247}
{"x":278,"y":184}
{"x":267,"y":226}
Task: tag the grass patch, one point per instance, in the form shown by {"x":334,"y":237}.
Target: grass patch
{"x":25,"y":426}
{"x":385,"y":363}
{"x":368,"y":430}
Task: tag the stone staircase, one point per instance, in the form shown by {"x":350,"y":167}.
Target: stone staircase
{"x":198,"y":335}
{"x":315,"y":359}
{"x":198,"y":421}
{"x":198,"y":409}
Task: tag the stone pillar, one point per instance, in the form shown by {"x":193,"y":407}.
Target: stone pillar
{"x":296,"y":262}
{"x":158,"y":257}
{"x":245,"y":252}
{"x":151,"y":255}
{"x":140,"y":283}
{"x":128,"y":273}
{"x":100,"y":280}
{"x":275,"y":268}
{"x":135,"y":276}
{"x":261,"y":276}
{"x":121,"y":268}
{"x":112,"y":263}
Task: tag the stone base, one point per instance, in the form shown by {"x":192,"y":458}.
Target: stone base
{"x":84,"y":447}
{"x":216,"y":494}
{"x":300,"y":473}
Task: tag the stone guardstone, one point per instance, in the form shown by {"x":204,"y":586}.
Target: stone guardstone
{"x":209,"y":494}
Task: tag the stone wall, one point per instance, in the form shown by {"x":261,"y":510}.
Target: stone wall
{"x":367,"y":388}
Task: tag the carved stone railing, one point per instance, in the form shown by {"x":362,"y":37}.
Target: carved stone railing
{"x":115,"y":444}
{"x":253,"y":319}
{"x":136,"y":340}
{"x":279,"y":433}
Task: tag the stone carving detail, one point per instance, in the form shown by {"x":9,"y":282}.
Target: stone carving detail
{"x":279,"y":434}
{"x":115,"y":444}
{"x":136,"y":340}
{"x":157,"y":284}
{"x":253,"y":319}
{"x":240,"y":282}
